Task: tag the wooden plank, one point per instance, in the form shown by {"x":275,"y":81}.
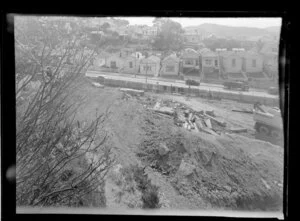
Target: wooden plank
{"x":222,"y":123}
{"x":238,"y":130}
{"x":243,"y":111}
{"x":208,"y":123}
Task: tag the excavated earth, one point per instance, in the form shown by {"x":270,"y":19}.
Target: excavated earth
{"x":197,"y":170}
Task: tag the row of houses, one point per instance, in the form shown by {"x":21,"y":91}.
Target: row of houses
{"x":189,"y":63}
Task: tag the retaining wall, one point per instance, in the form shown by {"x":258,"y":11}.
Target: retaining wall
{"x":245,"y":98}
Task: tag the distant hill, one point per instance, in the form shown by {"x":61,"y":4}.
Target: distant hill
{"x":273,"y":29}
{"x":229,"y":31}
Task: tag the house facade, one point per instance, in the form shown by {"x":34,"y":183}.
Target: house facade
{"x":253,"y":65}
{"x":138,"y":55}
{"x":190,"y":62}
{"x":210,"y":65}
{"x":170,"y":66}
{"x":125,"y":52}
{"x":130,"y":65}
{"x":231,"y":64}
{"x":150,"y":66}
{"x":114,"y":61}
{"x":270,"y":60}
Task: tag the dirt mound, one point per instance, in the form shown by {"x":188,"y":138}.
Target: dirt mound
{"x":230,"y":171}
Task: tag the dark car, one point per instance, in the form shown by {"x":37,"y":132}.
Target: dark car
{"x":192,"y":82}
{"x":243,"y":85}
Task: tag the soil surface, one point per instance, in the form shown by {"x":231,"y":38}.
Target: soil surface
{"x":229,"y":171}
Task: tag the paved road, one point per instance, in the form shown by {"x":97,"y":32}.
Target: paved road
{"x":178,"y":83}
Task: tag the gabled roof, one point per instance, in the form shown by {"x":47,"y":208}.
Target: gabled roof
{"x":171,"y":57}
{"x":238,"y":54}
{"x":209,"y":54}
{"x":204,"y":50}
{"x":190,"y":53}
{"x":151,"y":59}
{"x":130,"y":57}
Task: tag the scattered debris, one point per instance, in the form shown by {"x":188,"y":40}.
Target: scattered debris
{"x":238,"y":130}
{"x":210,"y":113}
{"x":222,"y":123}
{"x":97,"y":85}
{"x":243,"y":111}
{"x":165,"y":110}
{"x":208,"y":123}
{"x":163,"y":149}
{"x":265,"y":183}
{"x":132,"y":91}
{"x":186,"y":168}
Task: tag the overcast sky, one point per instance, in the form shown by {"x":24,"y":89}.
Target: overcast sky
{"x":246,"y":22}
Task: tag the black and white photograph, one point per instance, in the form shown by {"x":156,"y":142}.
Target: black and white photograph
{"x":148,"y":115}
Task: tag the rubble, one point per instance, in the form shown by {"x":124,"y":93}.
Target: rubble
{"x":238,"y":130}
{"x":132,"y":91}
{"x":243,"y":111}
{"x":186,"y":168}
{"x":97,"y":85}
{"x":165,"y":110}
{"x":208,"y":123}
{"x":210,"y":113}
{"x":163,"y":149}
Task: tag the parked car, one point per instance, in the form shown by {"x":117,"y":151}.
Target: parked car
{"x":273,"y":90}
{"x":243,"y":85}
{"x":192,"y":82}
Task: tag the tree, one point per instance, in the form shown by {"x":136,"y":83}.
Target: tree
{"x":170,"y":36}
{"x":60,"y":160}
{"x":105,"y":26}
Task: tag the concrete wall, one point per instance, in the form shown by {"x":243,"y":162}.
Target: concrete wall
{"x":194,"y":91}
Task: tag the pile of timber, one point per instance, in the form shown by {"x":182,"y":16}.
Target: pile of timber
{"x":197,"y":121}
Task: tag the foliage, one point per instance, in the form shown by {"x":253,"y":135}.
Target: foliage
{"x":213,"y":43}
{"x":170,"y":35}
{"x":135,"y":177}
{"x":60,"y":161}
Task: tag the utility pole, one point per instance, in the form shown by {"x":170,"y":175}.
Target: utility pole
{"x":146,"y":76}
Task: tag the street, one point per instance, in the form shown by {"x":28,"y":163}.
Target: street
{"x":177,"y":83}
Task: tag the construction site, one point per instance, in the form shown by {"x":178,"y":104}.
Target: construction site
{"x":196,"y":152}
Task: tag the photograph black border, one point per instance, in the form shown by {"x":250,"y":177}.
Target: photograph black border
{"x":8,"y":111}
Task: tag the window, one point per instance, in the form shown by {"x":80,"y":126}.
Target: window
{"x":254,"y":63}
{"x":216,"y":63}
{"x":208,"y":62}
{"x":147,"y":68}
{"x":130,"y":64}
{"x":189,"y":62}
{"x":170,"y":68}
{"x":233,"y":63}
{"x":113,"y":64}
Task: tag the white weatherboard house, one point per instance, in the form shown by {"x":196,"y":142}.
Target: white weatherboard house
{"x":130,"y":65}
{"x":170,"y":66}
{"x":115,"y":61}
{"x":253,"y":65}
{"x":150,"y":66}
{"x":231,"y":63}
